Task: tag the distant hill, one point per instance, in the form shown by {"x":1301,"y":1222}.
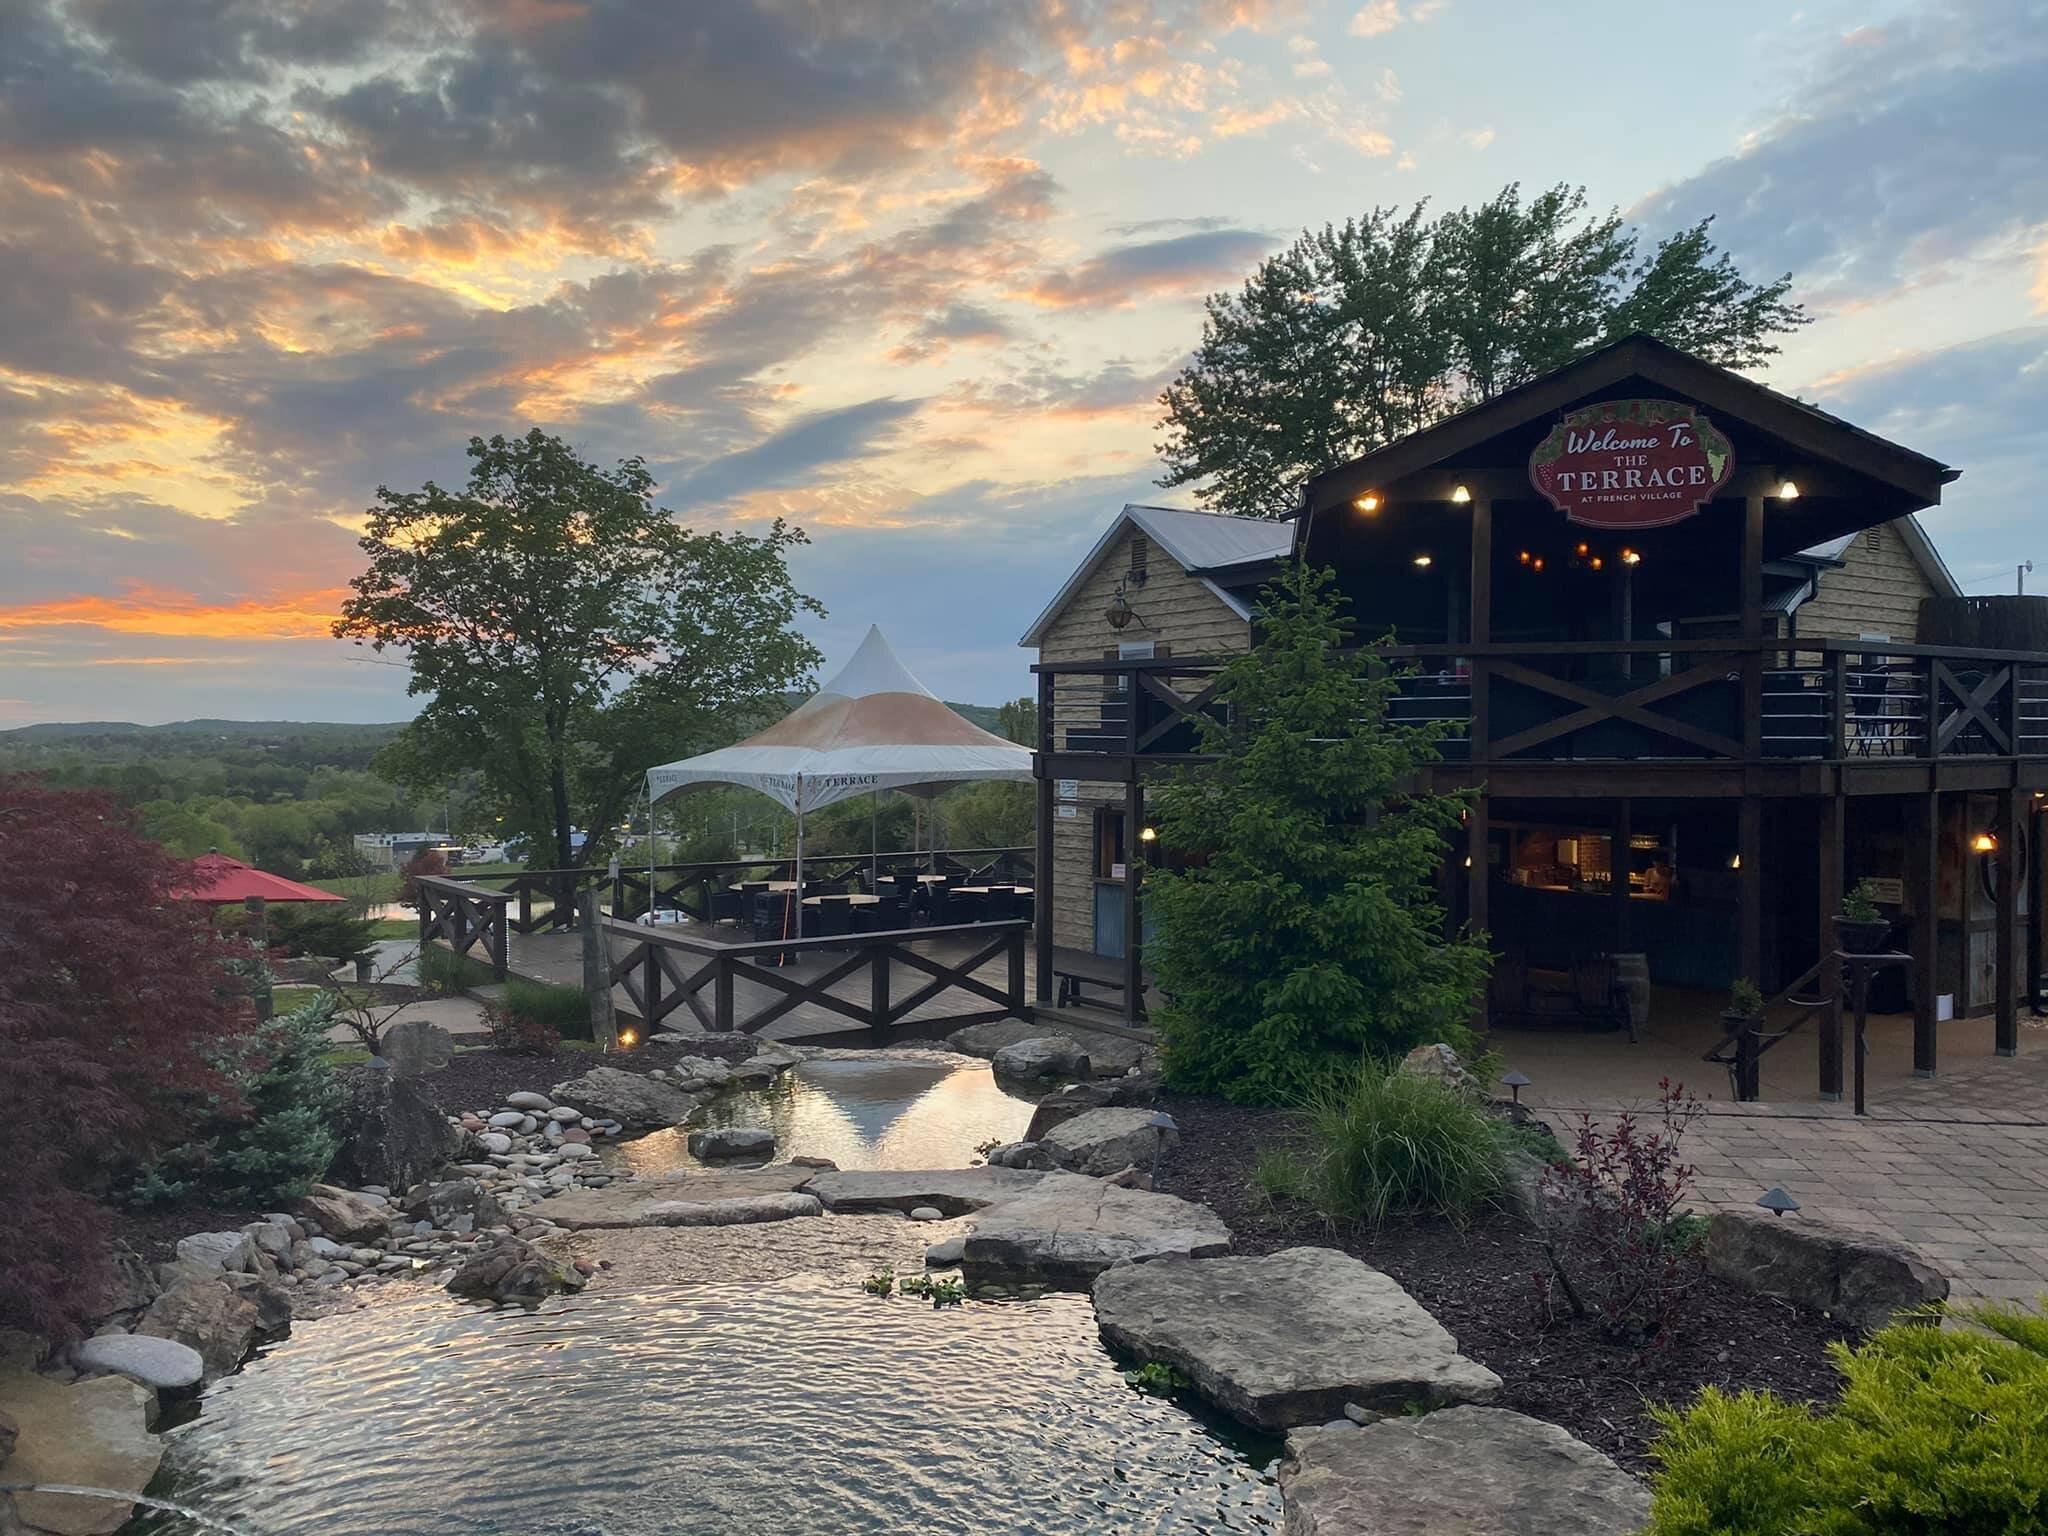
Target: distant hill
{"x":78,"y":731}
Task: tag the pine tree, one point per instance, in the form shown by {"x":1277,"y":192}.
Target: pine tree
{"x":1304,"y":928}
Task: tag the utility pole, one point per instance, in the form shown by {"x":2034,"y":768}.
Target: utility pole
{"x":2025,"y":567}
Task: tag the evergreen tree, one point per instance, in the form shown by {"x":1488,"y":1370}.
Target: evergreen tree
{"x":1361,"y":333}
{"x":1304,"y":927}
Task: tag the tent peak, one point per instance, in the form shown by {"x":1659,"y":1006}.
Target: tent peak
{"x":874,"y":668}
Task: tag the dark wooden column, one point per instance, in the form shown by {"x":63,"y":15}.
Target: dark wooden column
{"x":2006,"y":940}
{"x":1134,"y":864}
{"x":1833,"y":813}
{"x":1923,"y":880}
{"x":1752,"y":627}
{"x":1041,"y":895}
{"x":1617,"y":873}
{"x":1481,"y":624}
{"x":1749,"y":847}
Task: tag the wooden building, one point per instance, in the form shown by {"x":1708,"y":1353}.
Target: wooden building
{"x":1672,"y":621}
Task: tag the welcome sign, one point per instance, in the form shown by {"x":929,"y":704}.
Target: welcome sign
{"x":1631,"y":464}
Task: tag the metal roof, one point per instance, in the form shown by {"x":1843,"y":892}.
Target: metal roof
{"x":1201,"y":543}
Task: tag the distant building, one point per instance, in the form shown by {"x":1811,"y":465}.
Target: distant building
{"x":392,"y":850}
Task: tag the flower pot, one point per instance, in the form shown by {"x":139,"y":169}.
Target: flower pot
{"x":1862,"y":937}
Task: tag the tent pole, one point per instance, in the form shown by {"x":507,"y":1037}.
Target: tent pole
{"x":650,"y":849}
{"x":874,"y":846}
{"x":798,"y":906}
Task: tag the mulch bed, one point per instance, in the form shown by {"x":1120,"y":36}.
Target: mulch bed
{"x":154,"y":1233}
{"x":1478,"y":1281}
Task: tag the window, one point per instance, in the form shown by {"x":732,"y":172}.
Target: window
{"x":1132,"y":650}
{"x":1109,"y":842}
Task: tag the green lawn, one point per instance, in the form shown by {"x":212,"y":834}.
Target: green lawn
{"x":368,"y":890}
{"x":287,"y":999}
{"x":395,"y":928}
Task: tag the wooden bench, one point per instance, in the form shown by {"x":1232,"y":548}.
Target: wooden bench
{"x":1072,"y":970}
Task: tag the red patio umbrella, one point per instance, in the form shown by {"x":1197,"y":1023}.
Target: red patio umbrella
{"x":220,"y":880}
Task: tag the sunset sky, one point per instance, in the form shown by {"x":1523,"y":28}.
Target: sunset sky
{"x":907,"y":273}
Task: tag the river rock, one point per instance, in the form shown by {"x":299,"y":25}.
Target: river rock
{"x":508,"y":1119}
{"x":495,"y":1141}
{"x":539,"y":1103}
{"x":454,"y":1205}
{"x":415,"y":1047}
{"x":1069,"y":1229}
{"x":91,"y":1435}
{"x":1860,"y":1277}
{"x":634,"y":1100}
{"x":764,"y":1066}
{"x":951,"y":1191}
{"x":514,"y":1272}
{"x":731,"y":1141}
{"x":1102,"y":1141}
{"x":1109,"y":1055}
{"x":699,"y":1074}
{"x":162,"y":1364}
{"x":1288,"y":1338}
{"x":393,"y":1134}
{"x":344,"y":1214}
{"x":1072,"y":1100}
{"x":1475,"y":1471}
{"x":1019,"y":1154}
{"x":926,"y":1213}
{"x":1041,"y":1057}
{"x":208,"y":1316}
{"x":944,"y":1255}
{"x":217,"y":1251}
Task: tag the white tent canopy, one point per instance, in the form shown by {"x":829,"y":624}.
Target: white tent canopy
{"x":873,"y":726}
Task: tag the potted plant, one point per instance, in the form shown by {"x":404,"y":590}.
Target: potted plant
{"x":1860,"y":929}
{"x":1745,"y":1005}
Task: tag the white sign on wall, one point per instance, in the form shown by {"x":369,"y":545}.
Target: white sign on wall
{"x":1067,"y":789}
{"x":1069,"y":812}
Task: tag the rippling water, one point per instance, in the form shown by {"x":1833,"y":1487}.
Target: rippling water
{"x":872,"y":1112}
{"x":801,"y":1407}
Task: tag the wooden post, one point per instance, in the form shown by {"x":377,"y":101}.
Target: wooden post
{"x":1478,"y":832}
{"x":597,"y":976}
{"x":721,"y":995}
{"x":1041,"y":881}
{"x":2006,"y":945}
{"x":1617,"y":871}
{"x":1838,"y":705}
{"x":1750,"y":849}
{"x":501,"y":957}
{"x":1833,"y":809}
{"x":1134,"y":843}
{"x":1752,"y":632}
{"x":1481,"y":629}
{"x":1016,"y":987}
{"x":1923,"y":874}
{"x":878,"y":986}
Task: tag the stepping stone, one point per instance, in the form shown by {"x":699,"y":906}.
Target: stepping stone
{"x":1475,"y":1471}
{"x":163,"y":1364}
{"x":950,"y":1191}
{"x":687,"y":1200}
{"x":92,"y":1435}
{"x":1106,"y":1141}
{"x":1068,"y":1230}
{"x":1289,"y":1338}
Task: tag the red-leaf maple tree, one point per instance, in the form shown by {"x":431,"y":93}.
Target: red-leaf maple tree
{"x":115,"y":1010}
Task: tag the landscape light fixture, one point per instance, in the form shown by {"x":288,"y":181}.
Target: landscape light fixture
{"x":1161,"y":1123}
{"x":1514,"y":1082}
{"x":1776,"y":1201}
{"x":1460,"y":495}
{"x":1788,"y":491}
{"x":1984,"y":842}
{"x":1368,"y":503}
{"x":628,"y":1038}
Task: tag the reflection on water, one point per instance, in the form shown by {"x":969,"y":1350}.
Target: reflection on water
{"x":795,"y":1408}
{"x":862,"y":1112}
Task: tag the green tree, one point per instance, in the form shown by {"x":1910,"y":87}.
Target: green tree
{"x":1301,"y":928}
{"x":566,"y":632}
{"x":1360,"y":333}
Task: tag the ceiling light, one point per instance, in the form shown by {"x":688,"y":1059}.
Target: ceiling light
{"x":1788,"y":491}
{"x":1369,"y":502}
{"x":1460,"y":495}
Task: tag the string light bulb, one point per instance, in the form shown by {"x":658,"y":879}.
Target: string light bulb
{"x":1524,"y":557}
{"x":1598,"y":563}
{"x":1460,"y":495}
{"x":1631,"y":557}
{"x":1369,"y":503}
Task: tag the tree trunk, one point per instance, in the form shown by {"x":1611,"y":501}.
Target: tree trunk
{"x":558,"y":791}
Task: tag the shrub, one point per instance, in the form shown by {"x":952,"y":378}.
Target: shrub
{"x":521,"y":1035}
{"x":1298,"y":920}
{"x":1619,"y":1245}
{"x":428,"y":861}
{"x":1938,"y":1429}
{"x":330,"y":933}
{"x":1383,"y":1141}
{"x":113,"y":1003}
{"x":445,"y":973}
{"x":564,"y":1010}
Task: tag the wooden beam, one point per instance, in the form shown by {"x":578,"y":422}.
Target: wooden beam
{"x":1481,"y":621}
{"x":1628,"y":707}
{"x":2006,"y":942}
{"x":1834,"y":812}
{"x":1042,"y":892}
{"x":1134,"y":863}
{"x":1923,"y":882}
{"x":1750,"y":919}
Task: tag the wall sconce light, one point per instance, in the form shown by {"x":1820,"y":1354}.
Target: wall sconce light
{"x":1460,"y":495}
{"x":1984,"y":842}
{"x":1468,"y":861}
{"x":1149,"y":835}
{"x":1631,"y":557}
{"x":1369,"y":503}
{"x":1735,"y":861}
{"x":1422,"y":562}
{"x":1120,"y":611}
{"x":1788,"y":491}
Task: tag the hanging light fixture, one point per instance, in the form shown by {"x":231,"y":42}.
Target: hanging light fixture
{"x":1119,"y":613}
{"x":1369,"y":503}
{"x":1984,"y":842}
{"x":1788,"y":490}
{"x":1631,"y":557}
{"x":1460,"y":495}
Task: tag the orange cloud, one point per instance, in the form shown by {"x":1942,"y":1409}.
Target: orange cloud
{"x":145,"y":610}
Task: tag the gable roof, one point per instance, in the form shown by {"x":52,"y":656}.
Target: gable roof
{"x":1642,"y":356}
{"x":1201,"y":543}
{"x":1918,"y":545}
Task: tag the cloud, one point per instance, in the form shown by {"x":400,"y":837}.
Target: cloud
{"x":1376,"y":18}
{"x":956,"y":325}
{"x":794,"y":454}
{"x":1906,"y":154}
{"x":1181,"y":264}
{"x":145,"y":610}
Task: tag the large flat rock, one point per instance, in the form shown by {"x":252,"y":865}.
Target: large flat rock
{"x":1473,"y":1471}
{"x":1068,"y":1230}
{"x":1106,"y":1141}
{"x":92,"y":1435}
{"x":953,"y":1191}
{"x":1109,"y":1055}
{"x":1288,"y":1338}
{"x":687,"y":1200}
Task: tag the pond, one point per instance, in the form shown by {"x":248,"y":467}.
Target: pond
{"x":901,"y":1110}
{"x":797,"y":1407}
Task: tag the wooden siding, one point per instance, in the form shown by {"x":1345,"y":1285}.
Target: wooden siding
{"x":1876,"y":592}
{"x":1179,"y":612}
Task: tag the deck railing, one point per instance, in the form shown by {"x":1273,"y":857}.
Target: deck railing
{"x":1705,"y":700}
{"x":746,"y":987}
{"x":466,"y":916}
